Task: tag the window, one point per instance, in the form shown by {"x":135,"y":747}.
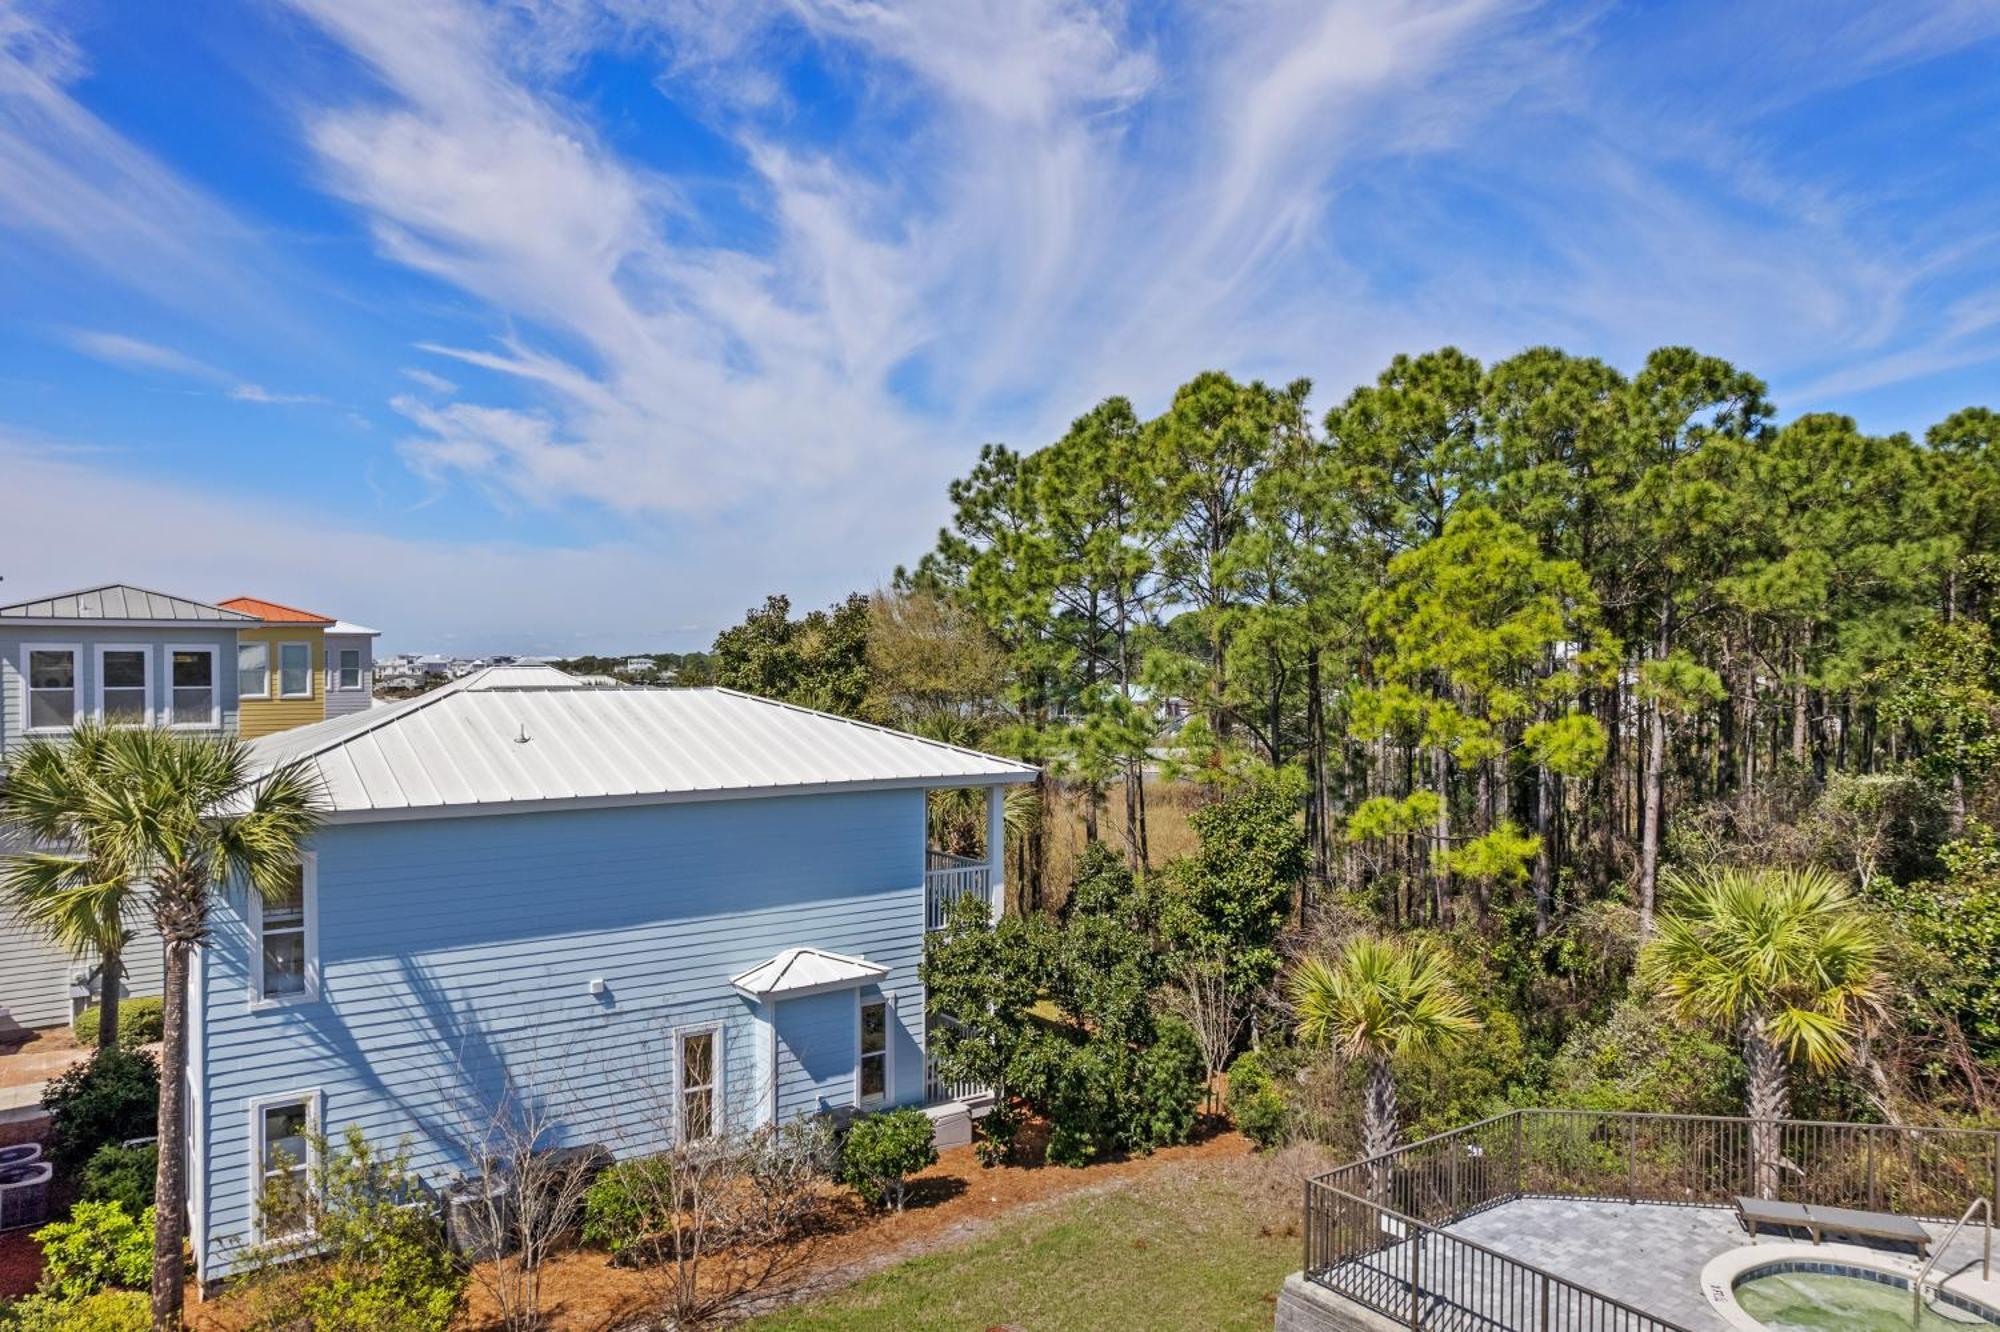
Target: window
{"x":295,"y":678}
{"x":349,"y":674}
{"x":191,"y":697}
{"x":51,"y":676}
{"x":122,"y":695}
{"x":285,"y":939}
{"x":698,"y":1080}
{"x":282,"y":1134}
{"x":873,"y":1076}
{"x":253,"y":670}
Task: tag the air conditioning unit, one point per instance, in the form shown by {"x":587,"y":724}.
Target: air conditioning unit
{"x":24,"y":1194}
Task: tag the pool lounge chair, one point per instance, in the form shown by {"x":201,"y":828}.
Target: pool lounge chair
{"x":1819,"y":1221}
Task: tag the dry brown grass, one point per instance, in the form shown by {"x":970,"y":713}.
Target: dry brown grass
{"x":1168,"y":833}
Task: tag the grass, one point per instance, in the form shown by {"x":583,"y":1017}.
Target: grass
{"x":1204,"y":1247}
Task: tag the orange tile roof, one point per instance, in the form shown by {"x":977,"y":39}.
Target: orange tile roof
{"x":272,"y":611}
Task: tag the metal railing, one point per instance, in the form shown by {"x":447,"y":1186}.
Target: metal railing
{"x":1985,"y":1260}
{"x":1374,"y":1228}
{"x":947,"y":878}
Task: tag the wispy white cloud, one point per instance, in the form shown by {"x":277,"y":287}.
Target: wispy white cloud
{"x":138,"y":354}
{"x":259,"y":394}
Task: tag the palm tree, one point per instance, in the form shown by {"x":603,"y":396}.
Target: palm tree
{"x":188,"y":816}
{"x":1784,"y":959}
{"x":1380,"y":998}
{"x":65,"y":884}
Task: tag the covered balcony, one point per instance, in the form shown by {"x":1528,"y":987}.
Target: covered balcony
{"x":949,"y":877}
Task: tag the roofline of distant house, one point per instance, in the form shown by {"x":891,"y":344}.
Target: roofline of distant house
{"x":559,"y":804}
{"x":47,"y":621}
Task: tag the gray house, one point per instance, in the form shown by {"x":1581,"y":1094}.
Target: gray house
{"x":633,"y":916}
{"x":124,"y":654}
{"x":116,"y":653}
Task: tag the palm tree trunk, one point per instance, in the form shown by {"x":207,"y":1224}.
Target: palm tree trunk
{"x":110,"y":978}
{"x":1769,"y":1102}
{"x":1378,"y":1122}
{"x":170,"y":1180}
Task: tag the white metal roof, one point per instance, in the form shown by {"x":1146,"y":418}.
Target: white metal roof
{"x":356,"y":630}
{"x":509,"y":736}
{"x":802,"y":971}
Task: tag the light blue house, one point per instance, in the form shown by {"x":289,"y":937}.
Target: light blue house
{"x":610,"y":916}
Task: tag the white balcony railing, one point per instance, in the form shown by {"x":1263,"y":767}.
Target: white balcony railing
{"x":948,"y":878}
{"x":937,"y":1091}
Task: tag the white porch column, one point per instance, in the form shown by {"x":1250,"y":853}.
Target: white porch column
{"x":996,"y":849}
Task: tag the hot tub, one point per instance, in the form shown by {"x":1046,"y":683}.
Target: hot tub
{"x":1841,"y":1288}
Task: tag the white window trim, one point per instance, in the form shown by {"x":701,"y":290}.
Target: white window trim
{"x":315,"y":1103}
{"x":309,"y":879}
{"x":214,"y":718}
{"x":265,"y":692}
{"x":888,"y":1002}
{"x":333,"y":657}
{"x":279,"y":667}
{"x":79,"y":708}
{"x":719,"y":1115}
{"x":145,"y":650}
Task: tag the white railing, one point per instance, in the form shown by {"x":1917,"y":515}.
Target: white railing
{"x":948,"y":878}
{"x":937,"y":1091}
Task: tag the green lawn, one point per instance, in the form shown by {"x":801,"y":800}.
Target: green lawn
{"x":1204,"y":1246}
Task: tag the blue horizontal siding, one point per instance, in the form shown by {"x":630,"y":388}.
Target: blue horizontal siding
{"x":456,"y":958}
{"x":817,"y":1036}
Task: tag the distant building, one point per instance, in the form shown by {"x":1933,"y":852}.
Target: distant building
{"x":640,"y":666}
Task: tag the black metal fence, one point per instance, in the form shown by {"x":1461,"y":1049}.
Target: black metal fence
{"x":1374,"y":1227}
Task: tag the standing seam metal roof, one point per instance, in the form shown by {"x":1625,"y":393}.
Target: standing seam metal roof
{"x":464,"y":745}
{"x":120,"y":601}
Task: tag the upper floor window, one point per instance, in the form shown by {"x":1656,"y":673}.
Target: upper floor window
{"x":253,"y":670}
{"x":295,"y":670}
{"x":698,"y":1073}
{"x":51,"y":679}
{"x":123,"y":686}
{"x":285,"y":938}
{"x":191,"y":700}
{"x":348,"y":673}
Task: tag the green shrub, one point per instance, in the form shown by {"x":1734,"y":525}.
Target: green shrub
{"x":883,"y":1151}
{"x":121,"y":1174}
{"x":106,"y":1311}
{"x":101,"y":1245}
{"x":113,"y":1097}
{"x":139,"y":1023}
{"x":1163,"y":1097}
{"x":619,"y":1209}
{"x":1255,"y":1101}
{"x":367,"y":1261}
{"x":994,"y":1132}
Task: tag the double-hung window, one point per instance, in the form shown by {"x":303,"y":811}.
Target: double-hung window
{"x":282,"y":1131}
{"x":253,"y":670}
{"x":50,"y":673}
{"x":295,"y":678}
{"x":698,"y":1072}
{"x":191,"y":680}
{"x":285,"y":942}
{"x":123,"y":684}
{"x":347,"y":675}
{"x":872,"y":1078}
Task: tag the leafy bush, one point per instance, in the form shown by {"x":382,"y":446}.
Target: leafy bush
{"x":994,"y":1132}
{"x":121,"y":1174}
{"x":139,"y":1023}
{"x":1255,"y":1102}
{"x":366,"y":1259}
{"x":618,"y":1211}
{"x":101,"y":1245}
{"x":106,"y":1311}
{"x":1164,"y":1095}
{"x":883,"y":1151}
{"x":113,"y":1097}
{"x":1635,"y":1061}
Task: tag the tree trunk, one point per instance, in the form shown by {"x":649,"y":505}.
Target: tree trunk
{"x":1440,"y":875}
{"x":110,"y":981}
{"x":1655,"y":793}
{"x":1544,"y":852}
{"x":170,"y":1178}
{"x":1769,"y":1102}
{"x":1378,"y":1122}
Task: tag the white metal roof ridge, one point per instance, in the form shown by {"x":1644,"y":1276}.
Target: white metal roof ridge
{"x":860,"y":725}
{"x":797,"y":972}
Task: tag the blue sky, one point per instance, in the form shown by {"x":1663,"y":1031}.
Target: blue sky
{"x":561,"y":324}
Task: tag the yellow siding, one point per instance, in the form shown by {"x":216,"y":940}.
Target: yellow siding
{"x":262,"y":716}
